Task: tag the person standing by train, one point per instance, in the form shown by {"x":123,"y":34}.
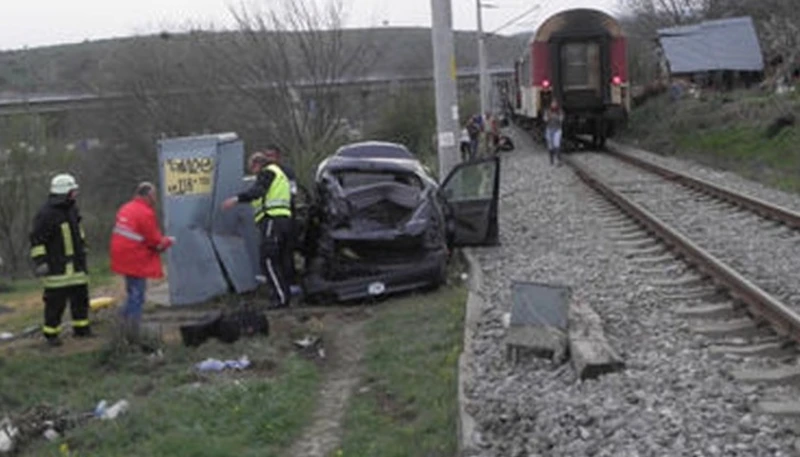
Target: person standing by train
{"x":554,"y":120}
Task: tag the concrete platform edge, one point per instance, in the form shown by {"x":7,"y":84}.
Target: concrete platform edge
{"x":474,"y":304}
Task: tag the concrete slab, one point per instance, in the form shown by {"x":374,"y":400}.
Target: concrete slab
{"x":776,"y":350}
{"x":721,"y":311}
{"x":649,"y":252}
{"x":640,"y":243}
{"x":683,"y":281}
{"x":775,"y":376}
{"x":664,"y":269}
{"x":655,"y":260}
{"x":466,"y":423}
{"x":736,"y":328}
{"x":786,"y":408}
{"x":547,"y":342}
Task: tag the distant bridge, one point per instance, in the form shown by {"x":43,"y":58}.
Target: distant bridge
{"x":41,"y":103}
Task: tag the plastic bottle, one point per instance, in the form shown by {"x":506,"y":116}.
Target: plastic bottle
{"x":118,"y":408}
{"x":100,"y":409}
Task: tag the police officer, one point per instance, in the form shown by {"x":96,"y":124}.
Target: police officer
{"x":58,"y":250}
{"x":270,"y":197}
{"x":274,"y":154}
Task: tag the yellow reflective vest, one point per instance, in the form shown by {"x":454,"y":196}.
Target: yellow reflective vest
{"x":276,"y":202}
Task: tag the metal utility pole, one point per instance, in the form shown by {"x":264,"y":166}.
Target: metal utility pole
{"x":444,"y":73}
{"x":482,"y":70}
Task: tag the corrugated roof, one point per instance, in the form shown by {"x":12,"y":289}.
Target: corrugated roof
{"x":722,"y":44}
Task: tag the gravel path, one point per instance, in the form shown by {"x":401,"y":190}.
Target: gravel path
{"x":673,"y":399}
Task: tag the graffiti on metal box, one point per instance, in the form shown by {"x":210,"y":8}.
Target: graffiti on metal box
{"x":191,"y":176}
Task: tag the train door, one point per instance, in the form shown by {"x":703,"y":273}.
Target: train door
{"x":581,"y":70}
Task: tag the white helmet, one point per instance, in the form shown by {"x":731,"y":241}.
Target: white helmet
{"x":62,"y":184}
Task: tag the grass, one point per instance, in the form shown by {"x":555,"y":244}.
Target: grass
{"x":24,"y":297}
{"x":724,"y":131}
{"x":175,"y":410}
{"x":408,"y":404}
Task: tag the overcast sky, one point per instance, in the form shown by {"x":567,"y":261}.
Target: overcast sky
{"x":45,"y":22}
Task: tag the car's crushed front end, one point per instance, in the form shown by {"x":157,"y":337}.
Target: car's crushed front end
{"x":379,"y":229}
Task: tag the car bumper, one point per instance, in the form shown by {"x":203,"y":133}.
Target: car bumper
{"x":399,"y":278}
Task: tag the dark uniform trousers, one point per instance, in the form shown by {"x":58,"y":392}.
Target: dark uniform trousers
{"x":275,"y":254}
{"x":55,"y":303}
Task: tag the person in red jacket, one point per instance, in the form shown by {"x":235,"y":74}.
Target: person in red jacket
{"x":136,"y":245}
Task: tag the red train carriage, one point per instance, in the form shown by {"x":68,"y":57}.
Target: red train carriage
{"x":579,"y":57}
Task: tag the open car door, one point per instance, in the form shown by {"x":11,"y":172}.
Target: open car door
{"x":471,"y":190}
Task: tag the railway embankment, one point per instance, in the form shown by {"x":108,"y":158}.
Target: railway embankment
{"x":751,"y":133}
{"x":676,"y":395}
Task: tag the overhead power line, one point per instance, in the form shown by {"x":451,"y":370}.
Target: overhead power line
{"x":517,"y":18}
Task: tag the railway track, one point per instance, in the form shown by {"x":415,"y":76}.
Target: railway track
{"x":762,"y":292}
{"x":735,"y":248}
{"x":690,"y":345}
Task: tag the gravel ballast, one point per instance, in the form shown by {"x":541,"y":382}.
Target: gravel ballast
{"x":672,"y":399}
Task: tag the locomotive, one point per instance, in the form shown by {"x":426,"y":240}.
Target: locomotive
{"x":579,"y":58}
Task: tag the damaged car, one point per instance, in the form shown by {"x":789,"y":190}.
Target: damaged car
{"x":379,"y":223}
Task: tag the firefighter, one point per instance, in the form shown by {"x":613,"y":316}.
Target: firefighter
{"x":58,"y":249}
{"x":270,"y":196}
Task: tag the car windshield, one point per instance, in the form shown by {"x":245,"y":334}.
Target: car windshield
{"x":352,"y":179}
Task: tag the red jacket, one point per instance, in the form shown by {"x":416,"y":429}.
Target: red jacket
{"x":136,"y":242}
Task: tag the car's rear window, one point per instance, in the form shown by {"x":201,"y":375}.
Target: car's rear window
{"x":350,"y":179}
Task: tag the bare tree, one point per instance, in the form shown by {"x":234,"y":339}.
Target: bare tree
{"x":27,"y":161}
{"x":288,"y":65}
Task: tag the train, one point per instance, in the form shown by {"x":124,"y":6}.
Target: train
{"x":579,"y":58}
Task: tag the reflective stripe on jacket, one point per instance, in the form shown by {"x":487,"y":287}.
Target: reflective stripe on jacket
{"x":57,"y":239}
{"x":136,"y":241}
{"x":276,"y":202}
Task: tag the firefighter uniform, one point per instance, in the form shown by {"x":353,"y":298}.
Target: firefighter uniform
{"x":270,"y":196}
{"x":58,"y":250}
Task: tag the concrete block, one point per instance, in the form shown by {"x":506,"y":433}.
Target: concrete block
{"x":776,"y":350}
{"x":737,"y":328}
{"x":775,"y":376}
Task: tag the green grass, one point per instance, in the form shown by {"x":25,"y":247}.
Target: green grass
{"x":174,"y":410}
{"x":23,"y":296}
{"x":724,"y":131}
{"x":745,"y":149}
{"x":408,"y":404}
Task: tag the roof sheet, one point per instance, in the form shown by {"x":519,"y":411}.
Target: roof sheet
{"x":722,"y":44}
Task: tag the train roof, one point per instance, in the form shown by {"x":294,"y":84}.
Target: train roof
{"x":577,"y":21}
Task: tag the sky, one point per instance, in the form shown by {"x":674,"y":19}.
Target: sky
{"x":34,"y":23}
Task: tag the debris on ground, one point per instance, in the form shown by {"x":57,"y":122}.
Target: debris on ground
{"x":40,"y":421}
{"x":220,"y":365}
{"x":102,"y":411}
{"x":7,"y":435}
{"x":226,"y":327}
{"x":101,"y":302}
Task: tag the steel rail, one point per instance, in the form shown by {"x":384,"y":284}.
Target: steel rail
{"x":758,"y":206}
{"x":784,"y":320}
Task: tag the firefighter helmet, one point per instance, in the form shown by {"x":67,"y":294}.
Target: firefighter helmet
{"x":63,"y":184}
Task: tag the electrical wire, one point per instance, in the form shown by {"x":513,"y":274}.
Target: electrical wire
{"x":517,"y":18}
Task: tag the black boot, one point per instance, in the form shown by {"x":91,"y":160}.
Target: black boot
{"x":82,"y":332}
{"x":53,"y":341}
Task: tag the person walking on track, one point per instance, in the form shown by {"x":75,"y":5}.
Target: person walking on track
{"x":58,"y":250}
{"x":136,"y":247}
{"x":270,"y":196}
{"x":554,"y":120}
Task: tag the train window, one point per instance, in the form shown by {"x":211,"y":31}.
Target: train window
{"x":581,"y":65}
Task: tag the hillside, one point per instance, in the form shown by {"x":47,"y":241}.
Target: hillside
{"x":80,"y":67}
{"x":733,"y":131}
